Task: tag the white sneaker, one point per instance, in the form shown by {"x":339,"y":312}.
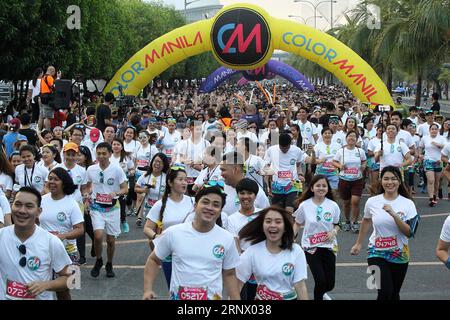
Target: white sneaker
{"x":326,"y":297}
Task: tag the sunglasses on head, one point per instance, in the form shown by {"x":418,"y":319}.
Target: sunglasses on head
{"x":219,"y":184}
{"x":23,"y":250}
{"x":178,"y":166}
{"x":102,"y":177}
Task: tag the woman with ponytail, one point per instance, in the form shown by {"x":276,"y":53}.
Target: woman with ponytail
{"x":172,"y":209}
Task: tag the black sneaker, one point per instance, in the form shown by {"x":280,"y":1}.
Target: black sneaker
{"x":440,"y":195}
{"x":82,"y":261}
{"x":109,"y":270}
{"x":93,"y":251}
{"x":139,"y":222}
{"x":95,"y":272}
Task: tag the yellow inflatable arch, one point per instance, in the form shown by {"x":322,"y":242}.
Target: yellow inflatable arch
{"x":244,"y":36}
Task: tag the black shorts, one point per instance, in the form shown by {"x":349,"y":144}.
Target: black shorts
{"x":285,"y":200}
{"x":347,"y":189}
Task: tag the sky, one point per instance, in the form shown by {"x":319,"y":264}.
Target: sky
{"x":284,"y":8}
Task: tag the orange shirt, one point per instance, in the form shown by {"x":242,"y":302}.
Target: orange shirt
{"x":44,"y":87}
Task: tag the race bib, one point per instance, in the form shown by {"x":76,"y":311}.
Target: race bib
{"x":190,"y":180}
{"x":318,"y":238}
{"x":142,"y":163}
{"x":192,"y":293}
{"x":169,"y":152}
{"x":264,"y":293}
{"x":17,"y":291}
{"x":151,"y":202}
{"x":387,"y":243}
{"x":284,"y":175}
{"x":103,"y":198}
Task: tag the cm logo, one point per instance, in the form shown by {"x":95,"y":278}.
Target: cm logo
{"x":241,"y":37}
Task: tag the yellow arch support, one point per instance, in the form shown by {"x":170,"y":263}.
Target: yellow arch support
{"x":232,"y":34}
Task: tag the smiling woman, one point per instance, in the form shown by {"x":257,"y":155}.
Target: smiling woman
{"x":277,"y":263}
{"x":394,"y":218}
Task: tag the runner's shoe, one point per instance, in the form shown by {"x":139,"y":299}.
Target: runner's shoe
{"x":440,"y":194}
{"x":82,"y":261}
{"x":346,"y":226}
{"x":109,"y":270}
{"x":326,"y":297}
{"x":125,"y":227}
{"x":95,"y":272}
{"x":93,"y":251}
{"x":139,"y":222}
{"x":355,"y":227}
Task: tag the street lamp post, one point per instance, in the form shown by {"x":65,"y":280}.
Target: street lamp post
{"x":315,"y":9}
{"x":305,"y":21}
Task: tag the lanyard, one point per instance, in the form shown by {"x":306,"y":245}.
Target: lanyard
{"x":210,"y":172}
{"x":26,"y":179}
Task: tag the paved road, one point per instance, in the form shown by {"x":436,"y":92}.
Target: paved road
{"x":445,"y":104}
{"x":426,"y":279}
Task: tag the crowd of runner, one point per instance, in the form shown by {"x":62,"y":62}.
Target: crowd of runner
{"x":237,"y":191}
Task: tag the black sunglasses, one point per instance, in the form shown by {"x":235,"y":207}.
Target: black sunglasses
{"x":23,"y":260}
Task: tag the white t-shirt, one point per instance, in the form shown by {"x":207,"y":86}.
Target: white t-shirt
{"x":352,"y":159}
{"x":278,"y":272}
{"x":393,"y":154}
{"x":169,"y":141}
{"x":104,"y":182}
{"x":79,"y":178}
{"x":308,"y":131}
{"x":200,"y":268}
{"x":143,"y":156}
{"x":315,"y":230}
{"x":2,"y":216}
{"x":285,"y":167}
{"x":131,"y":146}
{"x":4,"y":204}
{"x":36,"y":90}
{"x":414,"y":120}
{"x":28,"y":177}
{"x":155,"y":193}
{"x":247,"y":134}
{"x":446,"y":150}
{"x":44,"y":253}
{"x":233,"y":205}
{"x":126,"y":164}
{"x":340,"y":138}
{"x":237,"y":221}
{"x":431,"y":151}
{"x":253,"y":166}
{"x":59,"y":216}
{"x":6,"y":182}
{"x":445,"y":233}
{"x":424,"y":129}
{"x":192,"y":152}
{"x":386,"y":236}
{"x":209,"y":175}
{"x":174,"y":213}
{"x":328,"y":153}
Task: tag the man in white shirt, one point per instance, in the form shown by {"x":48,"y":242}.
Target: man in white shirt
{"x":424,"y":128}
{"x":202,"y":273}
{"x":29,"y":254}
{"x":402,"y":135}
{"x":107,"y":183}
{"x":309,"y":131}
{"x":232,"y":169}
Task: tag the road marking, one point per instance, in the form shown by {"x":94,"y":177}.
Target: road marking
{"x":342,"y":264}
{"x":434,"y":215}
